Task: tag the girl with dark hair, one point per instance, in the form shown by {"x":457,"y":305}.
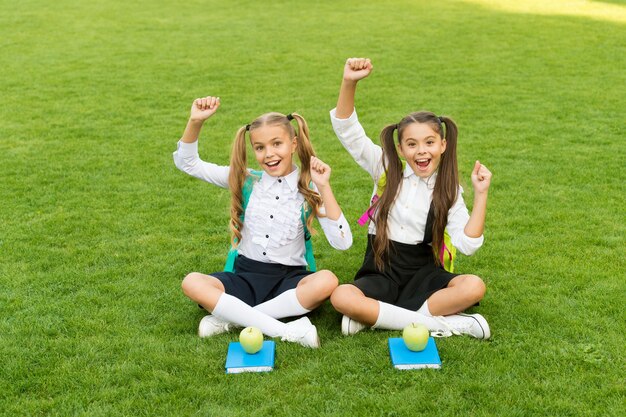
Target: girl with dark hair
{"x":402,"y":280}
{"x":270,"y":216}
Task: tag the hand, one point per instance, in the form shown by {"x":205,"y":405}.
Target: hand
{"x":203,"y":108}
{"x":357,"y":68}
{"x":320,"y":172}
{"x":481,"y":178}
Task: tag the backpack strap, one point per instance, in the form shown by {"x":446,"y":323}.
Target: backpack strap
{"x":248,"y":184}
{"x":380,"y":188}
{"x":447,"y":254}
{"x":308,"y":245}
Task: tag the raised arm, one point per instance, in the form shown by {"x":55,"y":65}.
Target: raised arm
{"x":355,"y":69}
{"x":320,"y":175}
{"x":201,"y":110}
{"x":346,"y":124}
{"x":466,"y":231}
{"x":186,"y":157}
{"x":481,"y":180}
{"x":334,"y":224}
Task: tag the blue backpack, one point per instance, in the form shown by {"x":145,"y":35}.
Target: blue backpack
{"x":247,"y":190}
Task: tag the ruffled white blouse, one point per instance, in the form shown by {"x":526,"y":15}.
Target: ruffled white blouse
{"x":272,"y":231}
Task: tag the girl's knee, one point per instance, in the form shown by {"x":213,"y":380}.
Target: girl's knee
{"x":341,"y":297}
{"x":190,"y":282}
{"x":195,"y":284}
{"x":475,"y":287}
{"x":328,"y":281}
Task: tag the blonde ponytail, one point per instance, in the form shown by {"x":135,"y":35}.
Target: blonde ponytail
{"x":236,"y":178}
{"x":305,"y":152}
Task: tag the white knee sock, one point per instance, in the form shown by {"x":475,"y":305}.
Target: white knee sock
{"x":424,"y":309}
{"x":284,"y":305}
{"x":233,"y":310}
{"x":397,"y":318}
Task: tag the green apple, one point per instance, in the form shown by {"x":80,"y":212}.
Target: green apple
{"x":251,"y":339}
{"x":415,"y":336}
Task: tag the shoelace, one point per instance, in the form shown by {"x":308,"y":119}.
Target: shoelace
{"x":447,"y":331}
{"x":219,"y":323}
{"x":293,"y":333}
{"x":295,"y":336}
{"x":299,"y":334}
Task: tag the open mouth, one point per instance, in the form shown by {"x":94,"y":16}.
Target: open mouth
{"x":272,"y":164}
{"x":422,"y":164}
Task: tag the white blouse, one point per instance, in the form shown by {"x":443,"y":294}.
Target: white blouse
{"x":272,"y":230}
{"x":408,"y":214}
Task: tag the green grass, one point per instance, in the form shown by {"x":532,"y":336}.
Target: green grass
{"x":98,"y":227}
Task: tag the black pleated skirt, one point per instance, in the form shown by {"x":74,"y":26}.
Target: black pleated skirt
{"x":408,"y":280}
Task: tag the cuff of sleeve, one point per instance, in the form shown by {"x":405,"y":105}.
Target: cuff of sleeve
{"x":187,"y":149}
{"x":475,"y":242}
{"x":341,"y":223}
{"x":342,"y":124}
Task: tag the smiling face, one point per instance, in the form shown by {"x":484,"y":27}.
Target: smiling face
{"x":422,"y":148}
{"x":273,"y":149}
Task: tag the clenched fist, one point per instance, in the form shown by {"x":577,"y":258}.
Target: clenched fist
{"x":203,"y":108}
{"x":357,"y":68}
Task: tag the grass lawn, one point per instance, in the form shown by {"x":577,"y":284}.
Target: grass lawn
{"x":98,"y":227}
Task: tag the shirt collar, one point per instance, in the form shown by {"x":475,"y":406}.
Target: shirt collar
{"x":430,"y":181}
{"x":291,"y":179}
{"x":408,"y":171}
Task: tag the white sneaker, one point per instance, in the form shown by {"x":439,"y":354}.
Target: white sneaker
{"x":211,"y":325}
{"x":350,"y":326}
{"x":302,"y":331}
{"x":473,"y":325}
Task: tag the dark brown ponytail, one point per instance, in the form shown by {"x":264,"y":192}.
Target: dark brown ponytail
{"x":393,"y":168}
{"x":447,"y":184}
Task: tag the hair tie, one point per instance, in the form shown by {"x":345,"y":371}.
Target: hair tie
{"x":290,"y":117}
{"x":247,"y":128}
{"x":441,"y":125}
{"x":397,"y":126}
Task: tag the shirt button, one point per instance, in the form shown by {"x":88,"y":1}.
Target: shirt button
{"x":271,"y":216}
{"x":264,"y":253}
{"x":340,"y":226}
{"x":267,"y":236}
{"x":277,"y":197}
{"x":280,"y":180}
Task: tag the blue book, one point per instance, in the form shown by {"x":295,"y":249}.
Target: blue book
{"x":237,"y":360}
{"x":403,"y":358}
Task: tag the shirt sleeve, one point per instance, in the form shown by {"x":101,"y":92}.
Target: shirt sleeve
{"x":352,"y":136}
{"x":458,"y":216}
{"x":337,"y":232}
{"x":186,"y":159}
